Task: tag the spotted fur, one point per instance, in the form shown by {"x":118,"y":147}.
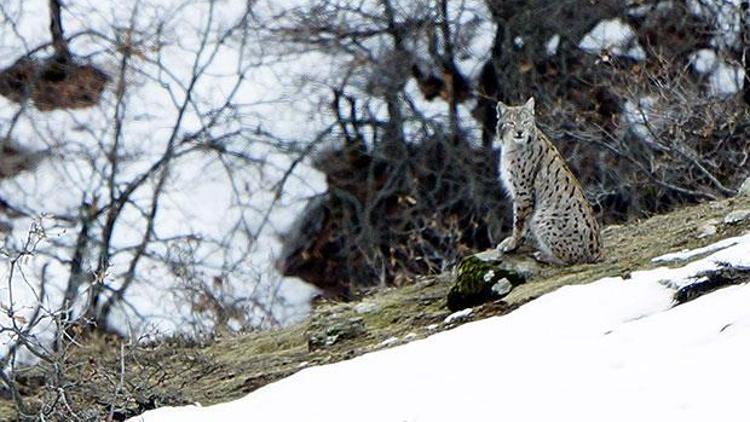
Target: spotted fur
{"x":548,"y":202}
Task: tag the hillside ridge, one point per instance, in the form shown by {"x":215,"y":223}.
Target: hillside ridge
{"x":176,"y":371}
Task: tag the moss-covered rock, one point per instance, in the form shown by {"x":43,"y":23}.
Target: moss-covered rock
{"x":487,"y":276}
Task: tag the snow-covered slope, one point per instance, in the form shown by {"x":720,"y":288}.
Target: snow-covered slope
{"x":616,"y":350}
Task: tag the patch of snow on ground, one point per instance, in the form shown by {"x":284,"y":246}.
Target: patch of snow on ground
{"x":458,"y":315}
{"x":737,"y":254}
{"x":725,"y":16}
{"x":614,"y":350}
{"x":551,"y":45}
{"x":703,"y":60}
{"x":690,"y":253}
{"x":639,"y":10}
{"x":726,"y":80}
{"x":638,"y":117}
{"x":615,"y":36}
{"x":390,"y":341}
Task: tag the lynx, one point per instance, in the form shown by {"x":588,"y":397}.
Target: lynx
{"x":548,"y":201}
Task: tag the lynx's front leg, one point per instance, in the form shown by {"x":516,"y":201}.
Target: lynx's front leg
{"x":522,"y":208}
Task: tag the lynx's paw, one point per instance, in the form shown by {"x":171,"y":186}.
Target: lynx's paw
{"x":547,"y":259}
{"x":509,"y":244}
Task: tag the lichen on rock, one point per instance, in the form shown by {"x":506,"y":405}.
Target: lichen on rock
{"x":329,"y":331}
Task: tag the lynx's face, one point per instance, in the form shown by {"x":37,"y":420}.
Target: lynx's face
{"x":515,"y":125}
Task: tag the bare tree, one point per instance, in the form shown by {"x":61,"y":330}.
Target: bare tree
{"x":402,"y":179}
{"x":120,"y":177}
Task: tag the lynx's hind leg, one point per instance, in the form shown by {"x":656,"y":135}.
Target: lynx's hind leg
{"x":544,"y":232}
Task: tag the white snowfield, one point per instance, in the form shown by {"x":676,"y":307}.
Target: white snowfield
{"x":613,"y":350}
{"x":613,"y":35}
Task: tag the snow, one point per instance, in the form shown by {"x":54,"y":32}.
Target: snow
{"x":724,"y":78}
{"x":725,"y":16}
{"x":615,"y":350}
{"x":640,"y":116}
{"x":639,"y":10}
{"x":551,"y":45}
{"x":690,"y":253}
{"x":614,"y":36}
{"x":200,"y":200}
{"x":488,"y":276}
{"x":458,"y":316}
{"x":704,"y":60}
{"x":477,"y":30}
{"x":390,"y":341}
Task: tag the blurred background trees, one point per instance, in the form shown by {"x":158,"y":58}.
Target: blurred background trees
{"x":643,"y":98}
{"x":157,"y":159}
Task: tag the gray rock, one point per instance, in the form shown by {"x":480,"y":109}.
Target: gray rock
{"x":366,"y":307}
{"x":333,"y":331}
{"x":707,"y":229}
{"x":744,"y":189}
{"x":737,"y":216}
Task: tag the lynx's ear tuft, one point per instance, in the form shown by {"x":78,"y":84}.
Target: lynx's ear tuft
{"x":501,"y":109}
{"x":529,"y":106}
